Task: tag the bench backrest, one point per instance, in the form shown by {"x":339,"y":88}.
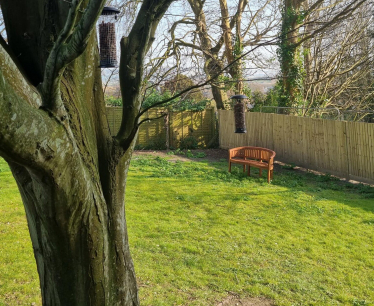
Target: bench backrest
{"x":252,"y":153}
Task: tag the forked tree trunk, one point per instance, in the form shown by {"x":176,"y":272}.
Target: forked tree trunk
{"x":213,"y":65}
{"x":54,"y":134}
{"x":73,"y":192}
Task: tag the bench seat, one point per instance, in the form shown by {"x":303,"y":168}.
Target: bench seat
{"x":257,"y":157}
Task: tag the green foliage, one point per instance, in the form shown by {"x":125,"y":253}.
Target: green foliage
{"x":200,"y":155}
{"x":159,"y":144}
{"x":290,"y":59}
{"x":198,"y":232}
{"x":225,"y":82}
{"x":154,"y":96}
{"x":271,"y":98}
{"x":189,"y":142}
{"x":190,"y":105}
{"x":247,"y":91}
{"x":289,"y":166}
{"x":188,"y":153}
{"x":113,"y":101}
{"x":238,"y":48}
{"x":177,"y":104}
{"x":359,"y":302}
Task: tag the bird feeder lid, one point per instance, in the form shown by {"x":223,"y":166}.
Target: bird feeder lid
{"x":239,"y":97}
{"x":109,"y":10}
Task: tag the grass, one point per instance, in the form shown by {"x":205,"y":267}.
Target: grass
{"x":19,"y":283}
{"x":199,"y":234}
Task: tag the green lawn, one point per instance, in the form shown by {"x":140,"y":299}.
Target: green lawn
{"x":199,"y":234}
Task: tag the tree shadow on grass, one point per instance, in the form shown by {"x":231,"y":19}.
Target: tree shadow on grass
{"x":294,"y":180}
{"x":309,"y":183}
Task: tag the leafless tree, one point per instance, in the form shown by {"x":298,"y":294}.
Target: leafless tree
{"x":212,"y":40}
{"x":340,"y":64}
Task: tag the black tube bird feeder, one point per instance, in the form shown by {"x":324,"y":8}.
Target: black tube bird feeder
{"x":107,"y":36}
{"x":239,"y":113}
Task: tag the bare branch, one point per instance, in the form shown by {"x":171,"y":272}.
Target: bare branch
{"x":349,"y":9}
{"x":133,"y":51}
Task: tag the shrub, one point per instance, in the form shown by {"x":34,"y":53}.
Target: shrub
{"x":113,"y":101}
{"x":188,"y":142}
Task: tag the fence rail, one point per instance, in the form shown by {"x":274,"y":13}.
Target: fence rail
{"x":341,"y":148}
{"x":170,"y":130}
{"x":332,"y":113}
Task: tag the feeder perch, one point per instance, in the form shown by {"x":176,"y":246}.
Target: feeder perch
{"x":239,"y":113}
{"x":107,"y":35}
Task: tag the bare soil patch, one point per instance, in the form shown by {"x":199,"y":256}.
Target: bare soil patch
{"x":237,"y":301}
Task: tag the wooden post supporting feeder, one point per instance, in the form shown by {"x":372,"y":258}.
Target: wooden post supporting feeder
{"x":107,"y":35}
{"x":239,"y":113}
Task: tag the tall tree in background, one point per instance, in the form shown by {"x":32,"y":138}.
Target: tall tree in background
{"x":217,"y":42}
{"x":54,"y":135}
{"x":289,"y":54}
{"x":339,"y":64}
{"x":301,"y":21}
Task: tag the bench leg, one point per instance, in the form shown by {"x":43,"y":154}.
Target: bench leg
{"x":249,"y":170}
{"x":260,"y":173}
{"x":229,"y":166}
{"x":269,"y":176}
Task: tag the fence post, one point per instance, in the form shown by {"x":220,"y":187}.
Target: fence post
{"x":347,"y":146}
{"x":166,"y":121}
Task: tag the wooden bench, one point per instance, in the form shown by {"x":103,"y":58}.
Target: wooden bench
{"x":253,"y":157}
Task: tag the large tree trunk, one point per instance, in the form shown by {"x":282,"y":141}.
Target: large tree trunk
{"x":73,"y":192}
{"x":55,"y":136}
{"x":81,"y":249}
{"x":214,"y":67}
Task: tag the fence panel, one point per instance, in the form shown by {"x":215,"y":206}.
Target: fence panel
{"x":114,"y":118}
{"x":200,"y":125}
{"x":342,"y":148}
{"x":361,"y":149}
{"x":152,"y":133}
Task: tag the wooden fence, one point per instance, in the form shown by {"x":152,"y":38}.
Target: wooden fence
{"x":340,"y":148}
{"x":178,"y":125}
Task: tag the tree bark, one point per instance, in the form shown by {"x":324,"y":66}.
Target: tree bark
{"x":289,"y":56}
{"x":213,"y":65}
{"x":55,"y":136}
{"x":72,"y":190}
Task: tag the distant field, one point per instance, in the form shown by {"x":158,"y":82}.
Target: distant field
{"x":199,"y":234}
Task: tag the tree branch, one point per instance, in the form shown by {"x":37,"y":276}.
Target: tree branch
{"x":70,"y":43}
{"x":150,"y":119}
{"x":203,"y":83}
{"x":343,"y":14}
{"x":27,"y":134}
{"x":133,"y":51}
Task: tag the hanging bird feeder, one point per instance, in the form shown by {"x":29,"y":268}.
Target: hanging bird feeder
{"x":239,"y":113}
{"x":107,"y":35}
